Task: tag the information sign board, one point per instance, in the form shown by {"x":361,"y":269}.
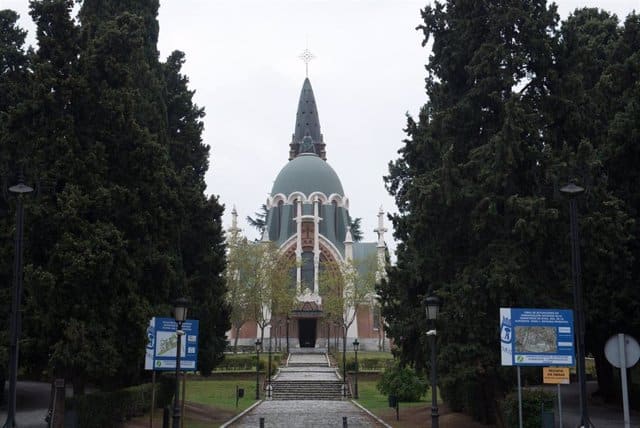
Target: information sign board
{"x":536,"y":337}
{"x":163,"y":341}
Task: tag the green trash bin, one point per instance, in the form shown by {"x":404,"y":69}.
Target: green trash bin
{"x":393,"y":400}
{"x":547,"y":417}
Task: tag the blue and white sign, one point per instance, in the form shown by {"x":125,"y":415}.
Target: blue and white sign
{"x":536,"y":337}
{"x":163,"y":344}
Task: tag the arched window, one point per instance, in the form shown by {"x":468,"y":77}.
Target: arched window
{"x":335,"y":218}
{"x":279,"y":221}
{"x":306,"y":270}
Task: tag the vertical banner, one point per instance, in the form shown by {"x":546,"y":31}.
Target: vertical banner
{"x":151,"y":343}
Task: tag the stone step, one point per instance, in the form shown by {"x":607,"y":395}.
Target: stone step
{"x":307,"y":390}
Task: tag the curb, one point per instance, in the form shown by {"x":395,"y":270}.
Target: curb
{"x":380,"y":421}
{"x":241,"y":414}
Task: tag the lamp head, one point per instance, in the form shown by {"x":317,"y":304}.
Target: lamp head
{"x":572,"y":190}
{"x":180,"y":309}
{"x":356,"y":345}
{"x":432,"y":307}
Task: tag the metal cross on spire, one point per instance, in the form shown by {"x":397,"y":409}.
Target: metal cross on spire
{"x":307,"y":56}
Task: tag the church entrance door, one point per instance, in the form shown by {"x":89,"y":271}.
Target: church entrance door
{"x":307,"y":332}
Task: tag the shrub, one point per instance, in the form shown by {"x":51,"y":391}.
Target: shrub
{"x":111,"y":409}
{"x":248,"y":362}
{"x":533,"y":401}
{"x":403,"y":382}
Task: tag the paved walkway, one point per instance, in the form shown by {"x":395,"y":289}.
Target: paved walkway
{"x":307,"y":413}
{"x":601,"y":415}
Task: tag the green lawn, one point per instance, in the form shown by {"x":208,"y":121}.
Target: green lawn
{"x":221,"y":393}
{"x":372,"y":399}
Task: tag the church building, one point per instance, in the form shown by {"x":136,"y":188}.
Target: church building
{"x":308,"y":220}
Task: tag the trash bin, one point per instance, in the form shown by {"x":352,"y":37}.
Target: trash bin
{"x":547,"y":417}
{"x":393,"y":401}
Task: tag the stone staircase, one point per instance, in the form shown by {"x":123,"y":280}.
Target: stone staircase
{"x":308,"y":375}
{"x":307,"y":390}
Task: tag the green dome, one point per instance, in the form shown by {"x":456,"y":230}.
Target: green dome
{"x":307,"y":173}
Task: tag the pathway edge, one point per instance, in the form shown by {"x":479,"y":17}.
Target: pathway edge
{"x":241,"y":414}
{"x":367,"y":411}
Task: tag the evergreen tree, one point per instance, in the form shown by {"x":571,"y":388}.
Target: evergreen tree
{"x":516,"y":110}
{"x":474,"y":208}
{"x":121,"y":226}
{"x":14,"y":64}
{"x":594,"y":94}
{"x":202,"y":247}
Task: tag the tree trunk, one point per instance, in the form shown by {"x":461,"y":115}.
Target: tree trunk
{"x":604,"y":371}
{"x":235,"y":340}
{"x":78,"y":385}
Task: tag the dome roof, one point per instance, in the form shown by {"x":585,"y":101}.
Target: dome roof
{"x":307,"y":173}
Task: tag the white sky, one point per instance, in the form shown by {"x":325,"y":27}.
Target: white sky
{"x":242,"y":61}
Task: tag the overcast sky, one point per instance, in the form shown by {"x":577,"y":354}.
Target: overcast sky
{"x":242,"y":61}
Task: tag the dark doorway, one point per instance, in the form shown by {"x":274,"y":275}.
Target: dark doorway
{"x":307,"y":332}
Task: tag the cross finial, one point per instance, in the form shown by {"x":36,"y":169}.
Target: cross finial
{"x":307,"y":56}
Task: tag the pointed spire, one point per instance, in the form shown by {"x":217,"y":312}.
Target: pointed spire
{"x":307,"y":123}
{"x":234,"y":230}
{"x":265,"y":234}
{"x":380,"y":230}
{"x":348,"y":245}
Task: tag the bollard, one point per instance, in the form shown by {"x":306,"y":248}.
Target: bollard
{"x":344,"y":422}
{"x":546,"y":415}
{"x":261,"y":422}
{"x":165,"y":417}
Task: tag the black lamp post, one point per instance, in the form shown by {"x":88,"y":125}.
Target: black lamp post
{"x":258,"y":344}
{"x":288,"y":321}
{"x":344,"y":358}
{"x":328,"y":336}
{"x":180,"y":315}
{"x":356,"y":345}
{"x":572,"y":192}
{"x":269,"y":370}
{"x":19,"y":189}
{"x":432,"y":307}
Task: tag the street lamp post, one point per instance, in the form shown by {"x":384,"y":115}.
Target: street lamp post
{"x":288,"y":321}
{"x":258,"y":344}
{"x":432,"y":307}
{"x":269,"y":370}
{"x":19,"y":189}
{"x":180,"y":315}
{"x":356,"y":345}
{"x":573,"y":192}
{"x":344,"y":358}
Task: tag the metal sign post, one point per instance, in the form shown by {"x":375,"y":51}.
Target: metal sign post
{"x":558,"y":376}
{"x":623,"y":351}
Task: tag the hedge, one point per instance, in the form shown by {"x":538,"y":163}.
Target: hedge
{"x":533,"y":402}
{"x":248,"y":362}
{"x":111,"y":409}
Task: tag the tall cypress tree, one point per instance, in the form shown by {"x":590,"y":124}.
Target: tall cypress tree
{"x":475,"y":214}
{"x":201,"y":241}
{"x":516,"y":110}
{"x":14,"y":64}
{"x":121,"y":225}
{"x":592,"y":95}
